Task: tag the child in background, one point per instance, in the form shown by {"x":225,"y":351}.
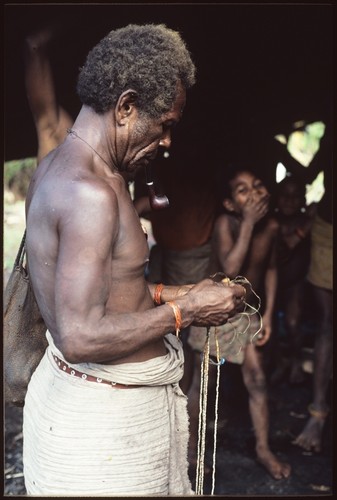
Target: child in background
{"x":295,"y":221}
{"x":244,"y":243}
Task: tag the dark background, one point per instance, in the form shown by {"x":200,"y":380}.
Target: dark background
{"x":258,"y":65}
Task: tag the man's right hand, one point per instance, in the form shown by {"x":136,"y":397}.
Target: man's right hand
{"x":214,"y":303}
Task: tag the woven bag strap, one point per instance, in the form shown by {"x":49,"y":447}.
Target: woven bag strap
{"x":21,"y":252}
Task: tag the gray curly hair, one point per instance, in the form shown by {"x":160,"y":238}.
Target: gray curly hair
{"x":149,"y":59}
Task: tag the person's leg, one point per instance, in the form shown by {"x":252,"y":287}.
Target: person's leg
{"x":255,"y":383}
{"x":311,"y":436}
{"x":275,"y":354}
{"x":292,"y":321}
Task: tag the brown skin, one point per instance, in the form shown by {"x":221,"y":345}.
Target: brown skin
{"x":310,"y":438}
{"x":51,"y":120}
{"x":243,"y":249}
{"x":86,"y":248}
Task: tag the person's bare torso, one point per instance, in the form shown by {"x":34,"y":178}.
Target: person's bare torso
{"x":258,"y":255}
{"x":50,"y":203}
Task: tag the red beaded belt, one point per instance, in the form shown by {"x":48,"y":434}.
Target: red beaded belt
{"x":89,"y":378}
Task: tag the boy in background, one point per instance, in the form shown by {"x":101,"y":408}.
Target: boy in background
{"x":295,"y":220}
{"x":244,"y":243}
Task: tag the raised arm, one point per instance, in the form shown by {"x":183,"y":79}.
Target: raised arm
{"x":231,"y":249}
{"x":231,"y":253}
{"x":51,"y":120}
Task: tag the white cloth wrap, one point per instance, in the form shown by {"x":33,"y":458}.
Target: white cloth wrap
{"x":83,"y":438}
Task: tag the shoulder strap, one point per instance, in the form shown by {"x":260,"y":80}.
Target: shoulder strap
{"x":21,"y":251}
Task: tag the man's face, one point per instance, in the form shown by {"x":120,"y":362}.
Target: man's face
{"x":147,"y":134}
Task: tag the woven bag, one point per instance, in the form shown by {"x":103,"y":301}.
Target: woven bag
{"x":24,"y":332}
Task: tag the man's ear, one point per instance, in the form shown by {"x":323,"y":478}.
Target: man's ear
{"x":228,"y":204}
{"x":126,"y":105}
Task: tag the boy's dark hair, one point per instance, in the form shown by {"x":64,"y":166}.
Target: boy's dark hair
{"x":149,"y":59}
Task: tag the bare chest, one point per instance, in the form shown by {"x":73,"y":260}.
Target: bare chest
{"x":131,"y":251}
{"x":258,"y":258}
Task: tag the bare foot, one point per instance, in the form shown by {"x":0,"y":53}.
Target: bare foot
{"x":277,"y":469}
{"x":311,"y":436}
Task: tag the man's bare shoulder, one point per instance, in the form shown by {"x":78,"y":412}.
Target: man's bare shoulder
{"x":76,"y":177}
{"x":89,"y":202}
{"x":75,"y":197}
{"x":93,"y":189}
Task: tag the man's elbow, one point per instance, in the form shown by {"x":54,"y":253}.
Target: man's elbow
{"x":73,"y":345}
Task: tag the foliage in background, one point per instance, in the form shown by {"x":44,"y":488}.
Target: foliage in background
{"x":17,"y":175}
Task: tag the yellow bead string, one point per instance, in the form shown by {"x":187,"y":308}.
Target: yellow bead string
{"x":248,"y":311}
{"x":200,"y":472}
{"x":216,"y":409}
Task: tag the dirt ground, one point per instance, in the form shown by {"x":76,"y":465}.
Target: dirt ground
{"x":237,"y":472}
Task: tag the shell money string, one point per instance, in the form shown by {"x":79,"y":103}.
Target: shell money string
{"x":203,"y":397}
{"x":248,"y":311}
{"x":202,"y":418}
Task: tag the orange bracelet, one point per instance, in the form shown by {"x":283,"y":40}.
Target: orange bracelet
{"x":157,"y":294}
{"x":177,"y":315}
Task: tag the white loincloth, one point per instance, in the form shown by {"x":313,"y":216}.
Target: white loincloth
{"x":82,"y":438}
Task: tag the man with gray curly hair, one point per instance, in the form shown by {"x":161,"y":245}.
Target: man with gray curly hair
{"x":104,"y":413}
